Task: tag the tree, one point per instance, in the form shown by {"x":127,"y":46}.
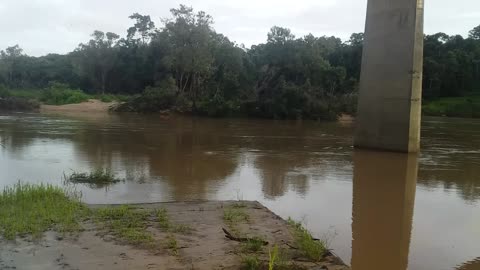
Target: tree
{"x":191,"y":60}
{"x":475,"y":33}
{"x":143,"y":26}
{"x":97,"y":58}
{"x":10,"y":58}
{"x":279,"y":35}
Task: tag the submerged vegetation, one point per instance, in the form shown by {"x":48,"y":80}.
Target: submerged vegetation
{"x":32,"y":209}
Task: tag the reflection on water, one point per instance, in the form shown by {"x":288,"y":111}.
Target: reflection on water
{"x":306,"y":170}
{"x":383,"y":200}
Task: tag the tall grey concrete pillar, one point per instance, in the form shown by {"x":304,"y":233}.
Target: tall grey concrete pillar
{"x":389,"y":105}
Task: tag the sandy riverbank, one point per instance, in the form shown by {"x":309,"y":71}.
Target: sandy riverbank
{"x":205,"y":247}
{"x":91,"y":106}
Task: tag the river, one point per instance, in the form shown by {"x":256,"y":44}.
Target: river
{"x":377,"y":210}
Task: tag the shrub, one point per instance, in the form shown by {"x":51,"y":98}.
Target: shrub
{"x":4,"y":92}
{"x":18,"y":104}
{"x":153,"y":99}
{"x":60,"y":94}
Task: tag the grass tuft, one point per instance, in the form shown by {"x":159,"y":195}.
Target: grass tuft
{"x":127,"y":223}
{"x":165,"y":224}
{"x":172,"y":244}
{"x":311,"y":248}
{"x":234,"y":215}
{"x":251,"y":262}
{"x":253,"y":245}
{"x":273,"y":258}
{"x":28,"y":209}
{"x":96,"y":179}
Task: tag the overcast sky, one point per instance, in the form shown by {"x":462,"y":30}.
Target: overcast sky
{"x":58,"y":26}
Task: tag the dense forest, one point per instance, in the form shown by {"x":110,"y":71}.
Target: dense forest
{"x":183,"y":64}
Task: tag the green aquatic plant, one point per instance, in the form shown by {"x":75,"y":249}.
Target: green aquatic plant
{"x":96,"y":179}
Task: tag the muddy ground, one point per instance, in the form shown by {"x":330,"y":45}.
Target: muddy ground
{"x":205,"y":247}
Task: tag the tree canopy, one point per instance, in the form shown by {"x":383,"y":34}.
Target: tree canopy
{"x":182,"y":62}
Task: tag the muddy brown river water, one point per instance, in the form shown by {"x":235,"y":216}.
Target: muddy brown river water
{"x":378,"y":210}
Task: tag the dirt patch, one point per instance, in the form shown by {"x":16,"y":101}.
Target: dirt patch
{"x":202,"y":246}
{"x":91,"y":105}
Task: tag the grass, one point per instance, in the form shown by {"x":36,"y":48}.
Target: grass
{"x":253,"y":245}
{"x":27,"y":209}
{"x":172,"y":244}
{"x":251,"y":262}
{"x":234,"y":215}
{"x":127,"y":224}
{"x":59,"y":94}
{"x":273,"y":258}
{"x":311,"y":248}
{"x":165,"y":224}
{"x":33,"y":209}
{"x":97,"y":179}
{"x":468,"y":106}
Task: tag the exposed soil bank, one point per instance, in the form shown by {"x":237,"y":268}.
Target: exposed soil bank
{"x":91,"y":106}
{"x":205,"y":247}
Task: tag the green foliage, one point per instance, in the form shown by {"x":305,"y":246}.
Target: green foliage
{"x":18,"y":104}
{"x":127,"y":224}
{"x":165,"y":224}
{"x":253,"y":245}
{"x":454,"y":107}
{"x":273,"y":258}
{"x":312,"y":249}
{"x":184,"y":65}
{"x":60,"y":94}
{"x":172,"y":244}
{"x":33,"y":209}
{"x":235,"y":215}
{"x":4,"y":92}
{"x":153,"y":99}
{"x":251,"y":262}
{"x":96,"y":179}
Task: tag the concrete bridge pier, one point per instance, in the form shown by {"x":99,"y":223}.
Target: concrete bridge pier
{"x":389,"y":106}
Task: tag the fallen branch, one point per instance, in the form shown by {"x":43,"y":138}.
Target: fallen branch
{"x":228,"y":235}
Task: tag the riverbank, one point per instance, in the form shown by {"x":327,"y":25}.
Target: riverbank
{"x":53,"y":230}
{"x":90,"y":106}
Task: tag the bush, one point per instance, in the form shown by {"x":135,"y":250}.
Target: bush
{"x":4,"y":92}
{"x":217,"y":107}
{"x":18,"y":104}
{"x":453,"y":107}
{"x":153,"y":99}
{"x":60,"y":94}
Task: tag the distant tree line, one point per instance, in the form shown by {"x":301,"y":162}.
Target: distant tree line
{"x":186,"y":65}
